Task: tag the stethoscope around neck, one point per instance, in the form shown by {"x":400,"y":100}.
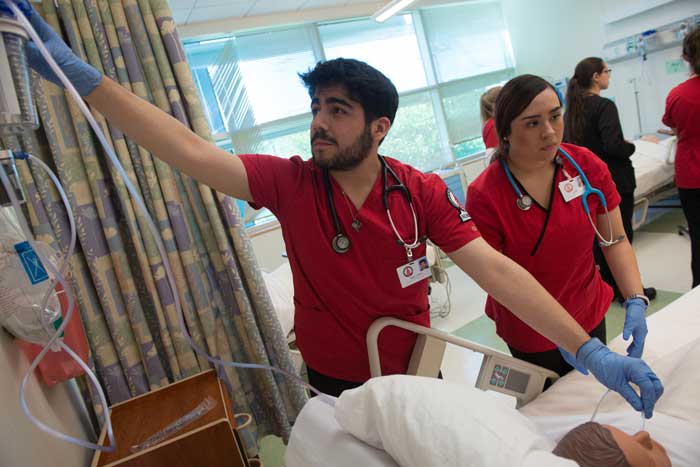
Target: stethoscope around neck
{"x":341,"y":242}
{"x":524,"y":201}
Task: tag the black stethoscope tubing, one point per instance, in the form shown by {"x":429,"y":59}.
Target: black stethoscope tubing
{"x":340,"y":241}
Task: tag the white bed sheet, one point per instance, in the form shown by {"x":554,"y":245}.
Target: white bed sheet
{"x":653,"y":166}
{"x":672,"y":350}
{"x":669,"y":352}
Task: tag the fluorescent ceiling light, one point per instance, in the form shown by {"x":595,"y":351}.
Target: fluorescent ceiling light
{"x":390,"y":9}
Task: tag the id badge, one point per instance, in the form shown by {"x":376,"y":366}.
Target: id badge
{"x":414,"y":271}
{"x":571,"y":188}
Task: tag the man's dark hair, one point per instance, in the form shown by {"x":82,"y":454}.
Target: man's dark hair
{"x":364,"y":84}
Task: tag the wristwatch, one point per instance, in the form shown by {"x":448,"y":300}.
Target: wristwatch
{"x":639,"y":295}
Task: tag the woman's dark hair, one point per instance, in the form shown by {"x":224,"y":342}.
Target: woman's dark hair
{"x":691,"y":49}
{"x":512,"y":100}
{"x":365,"y":84}
{"x":591,"y":445}
{"x":579,"y":84}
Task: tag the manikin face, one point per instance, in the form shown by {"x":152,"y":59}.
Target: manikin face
{"x":640,"y":449}
{"x":340,"y":136}
{"x":536,"y":133}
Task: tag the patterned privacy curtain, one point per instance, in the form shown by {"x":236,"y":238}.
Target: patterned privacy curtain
{"x":124,"y":299}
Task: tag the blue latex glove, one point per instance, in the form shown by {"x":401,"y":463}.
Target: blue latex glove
{"x":84,"y":77}
{"x":571,"y":360}
{"x":635,"y":326}
{"x":616,"y":372}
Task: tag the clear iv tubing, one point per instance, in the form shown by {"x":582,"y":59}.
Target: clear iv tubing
{"x":59,"y":277}
{"x":600,"y":402}
{"x":151,"y":226}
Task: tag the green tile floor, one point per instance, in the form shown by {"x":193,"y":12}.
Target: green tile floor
{"x":667,"y":223}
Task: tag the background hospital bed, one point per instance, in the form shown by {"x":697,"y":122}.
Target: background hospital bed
{"x":317,"y":438}
{"x":654,"y":172}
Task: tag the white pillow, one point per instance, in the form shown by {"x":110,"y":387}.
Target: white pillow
{"x":425,"y":421}
{"x":281,"y":289}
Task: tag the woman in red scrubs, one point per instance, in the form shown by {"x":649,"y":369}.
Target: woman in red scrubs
{"x":486,"y":104}
{"x":683,"y":115}
{"x":528,"y":205}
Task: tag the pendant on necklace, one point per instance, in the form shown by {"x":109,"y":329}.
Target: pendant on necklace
{"x":356,"y":224}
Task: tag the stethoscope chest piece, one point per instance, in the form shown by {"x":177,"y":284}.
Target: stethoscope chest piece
{"x":524,"y":202}
{"x":341,"y":243}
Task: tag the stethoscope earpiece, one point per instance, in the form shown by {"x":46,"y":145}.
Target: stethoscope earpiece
{"x":341,"y":243}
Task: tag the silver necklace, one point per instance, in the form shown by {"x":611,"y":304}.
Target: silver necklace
{"x":356,"y":224}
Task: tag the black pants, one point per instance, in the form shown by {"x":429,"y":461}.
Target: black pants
{"x":552,"y":359}
{"x":690,"y":201}
{"x":332,"y":386}
{"x":627,"y":212}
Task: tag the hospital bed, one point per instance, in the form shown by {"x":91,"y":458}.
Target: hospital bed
{"x":654,"y":171}
{"x":317,"y":438}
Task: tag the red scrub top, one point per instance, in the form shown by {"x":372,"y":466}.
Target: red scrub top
{"x":488,"y":134}
{"x":337,"y":296}
{"x":683,"y":114}
{"x":563,"y":260}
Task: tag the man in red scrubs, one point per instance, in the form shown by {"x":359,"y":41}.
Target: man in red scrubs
{"x":353,"y":259}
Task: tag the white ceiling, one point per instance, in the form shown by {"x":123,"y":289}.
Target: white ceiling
{"x":196,"y":11}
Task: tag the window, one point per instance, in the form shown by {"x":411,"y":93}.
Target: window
{"x":286,"y":138}
{"x":390,"y":47}
{"x":460,"y":99}
{"x":467,"y":40}
{"x":414,"y":137}
{"x":441,"y":60}
{"x":269,"y":64}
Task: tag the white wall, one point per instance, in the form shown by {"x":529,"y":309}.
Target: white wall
{"x":21,"y":443}
{"x":550,"y":36}
{"x":652,"y":80}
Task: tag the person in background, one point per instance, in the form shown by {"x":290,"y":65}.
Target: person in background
{"x":683,"y":115}
{"x":592,"y":121}
{"x":528,"y":205}
{"x":486,"y":104}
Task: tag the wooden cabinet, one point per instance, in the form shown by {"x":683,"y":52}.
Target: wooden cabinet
{"x":210,"y":440}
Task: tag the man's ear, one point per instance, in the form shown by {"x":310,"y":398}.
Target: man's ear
{"x":380,"y":127}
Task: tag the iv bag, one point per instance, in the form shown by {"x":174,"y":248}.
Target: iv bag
{"x":24,"y":283}
{"x":17,"y":110}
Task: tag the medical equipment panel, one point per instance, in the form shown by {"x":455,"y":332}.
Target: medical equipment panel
{"x":499,"y":372}
{"x":652,"y":40}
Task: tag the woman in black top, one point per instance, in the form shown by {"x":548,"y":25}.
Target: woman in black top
{"x":592,"y":121}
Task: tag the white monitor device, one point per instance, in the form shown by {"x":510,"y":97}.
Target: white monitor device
{"x":456,"y":181}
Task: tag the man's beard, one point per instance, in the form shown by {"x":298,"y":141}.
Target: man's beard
{"x":348,"y":158}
